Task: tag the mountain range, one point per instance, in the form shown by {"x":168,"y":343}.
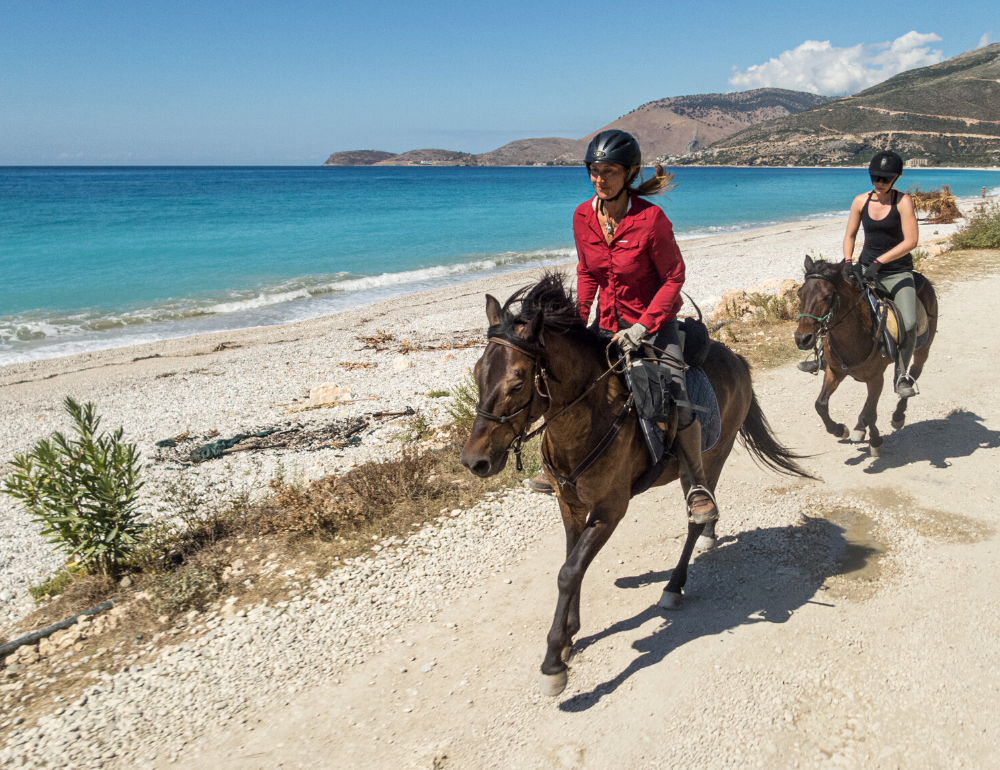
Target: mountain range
{"x":945,"y":114}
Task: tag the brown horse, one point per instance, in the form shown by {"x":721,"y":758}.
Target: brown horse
{"x":542,"y":361}
{"x":833,"y":313}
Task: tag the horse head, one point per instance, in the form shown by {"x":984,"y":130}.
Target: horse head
{"x":817,"y":299}
{"x":507,"y":376}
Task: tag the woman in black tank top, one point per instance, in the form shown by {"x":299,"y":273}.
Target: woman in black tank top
{"x":891,"y":233}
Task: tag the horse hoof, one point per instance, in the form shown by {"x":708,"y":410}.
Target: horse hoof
{"x":897,"y":424}
{"x":705,"y":543}
{"x":875,"y":451}
{"x":843,"y":432}
{"x":567,"y":653}
{"x":552,"y":685}
{"x":857,"y":435}
{"x":670,"y":601}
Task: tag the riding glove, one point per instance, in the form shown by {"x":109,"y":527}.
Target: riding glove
{"x":631,"y":339}
{"x":872,"y":270}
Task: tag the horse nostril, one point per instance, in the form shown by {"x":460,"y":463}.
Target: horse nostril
{"x":806,"y":341}
{"x":480,"y":468}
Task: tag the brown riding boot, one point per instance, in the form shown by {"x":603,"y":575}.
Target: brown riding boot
{"x":700,"y":500}
{"x":539,"y":484}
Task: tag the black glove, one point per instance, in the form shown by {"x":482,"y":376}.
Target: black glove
{"x":872,"y":270}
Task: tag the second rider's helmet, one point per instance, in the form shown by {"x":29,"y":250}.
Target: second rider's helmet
{"x":614,"y":146}
{"x":886,"y":163}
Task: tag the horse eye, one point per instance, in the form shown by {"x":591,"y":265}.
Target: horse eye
{"x":517,"y":387}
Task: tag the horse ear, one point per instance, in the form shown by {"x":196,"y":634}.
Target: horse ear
{"x":492,"y":310}
{"x":809,"y":263}
{"x":535,"y":327}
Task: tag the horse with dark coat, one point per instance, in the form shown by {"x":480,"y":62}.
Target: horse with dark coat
{"x":541,"y":361}
{"x":833,"y":313}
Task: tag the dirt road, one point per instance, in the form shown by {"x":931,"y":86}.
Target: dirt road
{"x":852,"y":622}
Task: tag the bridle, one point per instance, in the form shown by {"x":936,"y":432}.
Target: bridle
{"x":540,"y":387}
{"x":825,"y":327}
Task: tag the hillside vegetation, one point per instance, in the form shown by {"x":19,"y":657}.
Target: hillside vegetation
{"x":664,"y":127}
{"x":948,"y":113}
{"x":358,"y":158}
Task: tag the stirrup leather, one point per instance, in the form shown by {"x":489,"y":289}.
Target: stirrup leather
{"x":696,"y":489}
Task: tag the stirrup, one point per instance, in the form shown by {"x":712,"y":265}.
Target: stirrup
{"x":713,"y":515}
{"x":813,"y":365}
{"x":906,"y":387}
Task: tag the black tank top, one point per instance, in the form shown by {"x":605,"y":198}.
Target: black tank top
{"x":882,"y":235}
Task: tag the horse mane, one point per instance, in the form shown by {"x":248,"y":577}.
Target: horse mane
{"x":826,"y":269}
{"x":550,"y":297}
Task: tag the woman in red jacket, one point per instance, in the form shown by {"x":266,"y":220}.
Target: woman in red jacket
{"x":626,"y":249}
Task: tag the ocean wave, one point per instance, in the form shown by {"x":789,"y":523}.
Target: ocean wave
{"x":30,"y":336}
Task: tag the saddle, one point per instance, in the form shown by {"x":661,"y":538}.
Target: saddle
{"x":650,"y":385}
{"x":880,"y":306}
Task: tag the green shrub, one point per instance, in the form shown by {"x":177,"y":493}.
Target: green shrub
{"x":464,"y":398}
{"x":981,"y":230}
{"x":438,"y":394}
{"x":54,"y":586}
{"x":83,"y":491}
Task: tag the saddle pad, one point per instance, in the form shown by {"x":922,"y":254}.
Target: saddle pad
{"x":702,"y":394}
{"x":893,"y":329}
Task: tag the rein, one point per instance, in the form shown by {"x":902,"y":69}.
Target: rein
{"x":541,"y":376}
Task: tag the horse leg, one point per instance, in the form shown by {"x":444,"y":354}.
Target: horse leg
{"x":672,"y":598}
{"x":870,"y":414}
{"x":919,"y":359}
{"x":830,"y":383}
{"x":602,"y":522}
{"x":706,"y":541}
{"x":573,"y":523}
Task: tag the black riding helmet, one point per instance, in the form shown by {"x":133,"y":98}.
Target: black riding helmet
{"x":614,"y":146}
{"x":886,"y":163}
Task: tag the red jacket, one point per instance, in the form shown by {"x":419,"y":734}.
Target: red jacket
{"x":640,"y":274}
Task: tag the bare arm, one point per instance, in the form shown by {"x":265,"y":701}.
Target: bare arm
{"x":853,"y":223}
{"x":911,"y":233}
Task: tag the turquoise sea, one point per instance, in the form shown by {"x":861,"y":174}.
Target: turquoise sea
{"x":95,"y":258}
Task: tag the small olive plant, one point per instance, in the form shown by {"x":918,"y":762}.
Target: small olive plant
{"x":83,"y":490}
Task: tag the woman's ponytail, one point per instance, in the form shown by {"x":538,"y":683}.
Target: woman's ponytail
{"x":659,"y":183}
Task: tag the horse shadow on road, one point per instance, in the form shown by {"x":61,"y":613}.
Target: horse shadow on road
{"x":758,"y":576}
{"x":932,"y":441}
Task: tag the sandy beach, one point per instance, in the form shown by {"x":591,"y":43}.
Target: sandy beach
{"x":252,"y":379}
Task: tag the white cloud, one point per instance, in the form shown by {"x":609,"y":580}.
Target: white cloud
{"x":820,"y":68}
{"x":984,"y":40}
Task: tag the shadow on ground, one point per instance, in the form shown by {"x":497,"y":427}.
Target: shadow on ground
{"x":760,"y":576}
{"x":932,"y":441}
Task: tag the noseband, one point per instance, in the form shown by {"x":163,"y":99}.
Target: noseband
{"x":541,"y":376}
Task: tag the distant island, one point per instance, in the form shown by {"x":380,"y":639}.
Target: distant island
{"x":945,"y":114}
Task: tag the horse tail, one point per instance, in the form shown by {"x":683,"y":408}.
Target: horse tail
{"x":759,"y":440}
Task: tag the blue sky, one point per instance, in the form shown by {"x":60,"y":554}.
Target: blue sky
{"x":97,"y":82}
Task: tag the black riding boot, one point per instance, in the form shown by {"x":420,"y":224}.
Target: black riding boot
{"x":700,"y":500}
{"x":905,"y":386}
{"x":815,"y":364}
